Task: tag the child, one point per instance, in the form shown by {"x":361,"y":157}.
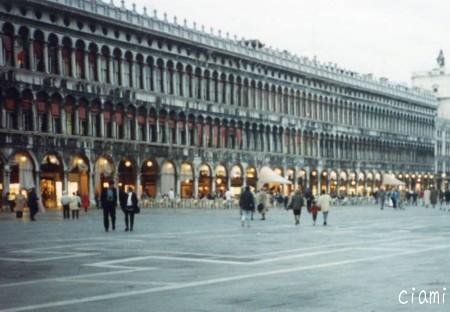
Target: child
{"x":315,"y":208}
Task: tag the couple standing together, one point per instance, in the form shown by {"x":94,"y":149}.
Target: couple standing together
{"x":128,"y":202}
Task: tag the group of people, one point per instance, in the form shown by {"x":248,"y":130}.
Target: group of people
{"x":73,"y":204}
{"x":400,"y":198}
{"x":128,"y":203}
{"x":261,"y":202}
{"x":24,"y":198}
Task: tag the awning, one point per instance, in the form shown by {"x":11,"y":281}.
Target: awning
{"x":267,"y":175}
{"x":389,"y":179}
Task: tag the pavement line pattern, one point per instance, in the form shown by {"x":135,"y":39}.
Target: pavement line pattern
{"x":214,"y":281}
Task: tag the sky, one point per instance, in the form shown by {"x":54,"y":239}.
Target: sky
{"x":388,"y":38}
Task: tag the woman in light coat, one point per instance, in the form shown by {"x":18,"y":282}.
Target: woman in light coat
{"x":324,"y":201}
{"x":20,"y":204}
{"x":262,"y":203}
{"x":75,"y":204}
{"x":427,"y":198}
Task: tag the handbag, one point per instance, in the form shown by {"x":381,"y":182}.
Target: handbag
{"x":137,"y":209}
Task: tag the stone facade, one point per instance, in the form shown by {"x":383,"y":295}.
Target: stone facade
{"x":92,"y":92}
{"x":437,"y":80}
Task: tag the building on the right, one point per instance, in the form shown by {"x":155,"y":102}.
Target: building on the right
{"x":438,"y":81}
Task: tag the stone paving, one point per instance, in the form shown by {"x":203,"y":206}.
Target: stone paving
{"x":203,"y":260}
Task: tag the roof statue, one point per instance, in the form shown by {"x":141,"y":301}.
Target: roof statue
{"x":441,"y":59}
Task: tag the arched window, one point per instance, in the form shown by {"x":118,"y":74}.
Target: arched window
{"x":128,"y":70}
{"x":79,"y":59}
{"x":140,"y":71}
{"x":56,"y":113}
{"x":38,"y":52}
{"x":92,"y":62}
{"x":117,"y":63}
{"x":42,"y":110}
{"x":53,"y":48}
{"x":104,"y":65}
{"x":66,"y":57}
{"x":96,"y":120}
{"x":8,"y":44}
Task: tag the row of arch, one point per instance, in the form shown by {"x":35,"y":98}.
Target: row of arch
{"x":78,"y":116}
{"x":90,"y":61}
{"x":55,"y":172}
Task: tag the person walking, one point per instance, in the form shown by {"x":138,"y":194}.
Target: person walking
{"x":296,"y":203}
{"x":434,"y":197}
{"x":11,"y":201}
{"x":394,"y":197}
{"x":75,"y":204}
{"x":109,"y":203}
{"x":309,"y":198}
{"x":85,"y":202}
{"x":65,"y":202}
{"x":382,"y":198}
{"x":247,"y":204}
{"x":129,"y":204}
{"x":262,"y":203}
{"x":20,"y":204}
{"x":33,"y":203}
{"x":324,"y":201}
{"x":426,"y":198}
{"x":228,"y":199}
{"x":171,"y":196}
{"x":315,"y":208}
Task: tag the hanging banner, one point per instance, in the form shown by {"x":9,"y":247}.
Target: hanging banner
{"x":55,"y":109}
{"x":82,"y":112}
{"x":215,"y":135}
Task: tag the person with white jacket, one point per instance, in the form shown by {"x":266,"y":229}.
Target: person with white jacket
{"x":324,"y":201}
{"x":75,"y":204}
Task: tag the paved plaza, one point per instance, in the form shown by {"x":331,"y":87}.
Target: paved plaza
{"x":203,"y":260}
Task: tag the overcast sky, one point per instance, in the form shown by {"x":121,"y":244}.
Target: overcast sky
{"x":389,"y":38}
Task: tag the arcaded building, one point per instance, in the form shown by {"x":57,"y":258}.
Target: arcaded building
{"x":92,"y":91}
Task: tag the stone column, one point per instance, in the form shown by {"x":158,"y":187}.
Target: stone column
{"x":76,"y":126}
{"x":2,"y":60}
{"x":196,"y":178}
{"x":46,"y":64}
{"x":158,"y":133}
{"x":92,"y":187}
{"x":6,"y":176}
{"x":60,"y":61}
{"x":138,"y":186}
{"x":34,"y":115}
{"x":17,"y":48}
{"x":124,"y":79}
{"x":111,"y":70}
{"x":31,"y":55}
{"x":213,"y":184}
{"x":63,"y":120}
{"x":99,"y":69}
{"x":102,"y":124}
{"x":73,"y":64}
{"x":86,"y":66}
{"x":65,"y":185}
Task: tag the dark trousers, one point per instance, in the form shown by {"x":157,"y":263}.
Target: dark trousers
{"x":33,"y":212}
{"x":314,"y":216}
{"x":75,"y":213}
{"x":109,"y":211}
{"x":129,"y":220}
{"x":66,"y":212}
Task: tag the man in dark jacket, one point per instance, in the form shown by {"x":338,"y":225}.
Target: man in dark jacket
{"x":296,"y":204}
{"x":309,"y":198}
{"x":129,"y":205}
{"x":33,"y":203}
{"x":247,"y":204}
{"x":109,"y":203}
